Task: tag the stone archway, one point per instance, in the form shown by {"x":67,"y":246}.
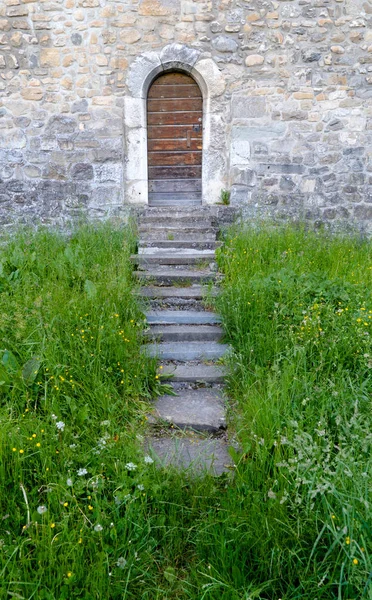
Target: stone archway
{"x":141,"y":74}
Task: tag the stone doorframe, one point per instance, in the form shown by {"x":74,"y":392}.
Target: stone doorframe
{"x":141,"y":74}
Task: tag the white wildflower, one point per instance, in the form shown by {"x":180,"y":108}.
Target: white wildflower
{"x":60,"y":425}
{"x":148,"y":460}
{"x":271,"y":494}
{"x":140,"y":487}
{"x":72,"y":446}
{"x":131,"y":466}
{"x":98,"y":527}
{"x":105,"y":423}
{"x":41,"y":509}
{"x":121,"y":562}
{"x":69,"y":482}
{"x":82,"y":472}
{"x":54,"y":417}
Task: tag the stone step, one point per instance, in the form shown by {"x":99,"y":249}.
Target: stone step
{"x":185,"y":351}
{"x":199,"y":410}
{"x":193,"y":373}
{"x":175,"y":223}
{"x":177,"y":227}
{"x":196,"y":292}
{"x":179,"y":243}
{"x":185,"y":333}
{"x":169,"y":276}
{"x":175,"y":203}
{"x":182,"y":317}
{"x":193,"y":234}
{"x":176,"y":258}
{"x":177,"y":304}
{"x":209,"y":211}
{"x":191,"y":453}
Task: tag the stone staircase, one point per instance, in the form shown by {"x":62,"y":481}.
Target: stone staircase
{"x":177,"y":269}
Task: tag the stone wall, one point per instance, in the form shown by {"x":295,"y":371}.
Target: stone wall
{"x":297,"y":105}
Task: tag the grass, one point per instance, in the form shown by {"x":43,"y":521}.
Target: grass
{"x":297,"y":309}
{"x":85,"y":514}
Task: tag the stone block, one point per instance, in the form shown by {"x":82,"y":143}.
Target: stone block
{"x":254,"y":60}
{"x":243,"y":176}
{"x":32,"y":93}
{"x":310,"y":55}
{"x":130,"y":35}
{"x":104,"y":196}
{"x":50,"y":57}
{"x":82,"y":172}
{"x":159,"y":8}
{"x":108,"y":173}
{"x":76,"y":39}
{"x":79,"y":106}
{"x":285,"y":169}
{"x":12,"y":140}
{"x":178,"y":55}
{"x":222,"y":43}
{"x":240,"y":147}
{"x":141,"y":73}
{"x":209,"y":77}
{"x":244,"y":107}
{"x":60,"y":124}
{"x":266,"y":133}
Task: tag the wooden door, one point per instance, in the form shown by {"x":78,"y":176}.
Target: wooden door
{"x":175,"y":137}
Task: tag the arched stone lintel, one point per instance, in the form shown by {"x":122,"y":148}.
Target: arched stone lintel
{"x":141,"y":75}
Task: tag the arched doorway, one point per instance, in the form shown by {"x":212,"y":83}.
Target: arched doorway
{"x":174,"y":140}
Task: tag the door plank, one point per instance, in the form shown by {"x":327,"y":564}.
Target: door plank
{"x":174,"y":78}
{"x":167,"y":159}
{"x":174,"y":105}
{"x":191,"y":172}
{"x":173,"y":131}
{"x":175,"y":185}
{"x":175,"y":144}
{"x":175,"y":91}
{"x":178,"y":118}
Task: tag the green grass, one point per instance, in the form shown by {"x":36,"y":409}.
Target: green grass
{"x":297,"y":308}
{"x":72,"y":378}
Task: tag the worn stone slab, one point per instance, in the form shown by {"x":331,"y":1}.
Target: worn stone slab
{"x":175,"y":202}
{"x":170,"y":259}
{"x":195,"y":455}
{"x":181,"y":276}
{"x":182,"y":317}
{"x":193,"y":373}
{"x":185,"y":333}
{"x":184,"y":351}
{"x":175,"y":245}
{"x":195,"y":292}
{"x":181,"y":222}
{"x":177,"y":252}
{"x":201,"y":410}
{"x":190,"y":234}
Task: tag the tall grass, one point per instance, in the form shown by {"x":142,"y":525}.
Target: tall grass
{"x":84,"y":513}
{"x":297,"y":308}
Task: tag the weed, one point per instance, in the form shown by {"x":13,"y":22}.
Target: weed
{"x":225,"y":197}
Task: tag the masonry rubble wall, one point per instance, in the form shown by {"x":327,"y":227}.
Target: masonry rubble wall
{"x":295,"y":113}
